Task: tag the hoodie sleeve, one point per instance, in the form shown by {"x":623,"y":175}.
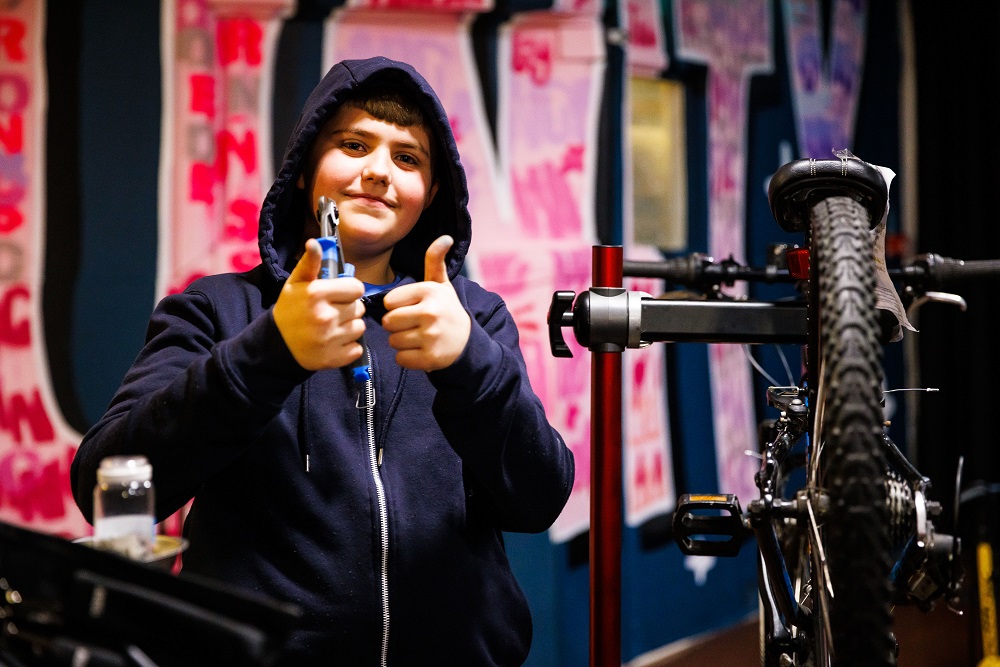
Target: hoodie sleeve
{"x":491,"y":416}
{"x":193,"y":401}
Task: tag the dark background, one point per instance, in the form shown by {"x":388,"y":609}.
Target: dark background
{"x":958,"y":68}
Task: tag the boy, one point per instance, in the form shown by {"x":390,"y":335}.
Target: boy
{"x":377,"y":507}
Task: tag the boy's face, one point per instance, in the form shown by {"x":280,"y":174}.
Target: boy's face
{"x":378,"y":174}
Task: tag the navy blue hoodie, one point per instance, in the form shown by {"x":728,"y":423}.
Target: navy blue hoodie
{"x":403,"y":562}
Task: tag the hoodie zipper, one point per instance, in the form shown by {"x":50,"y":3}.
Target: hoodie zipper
{"x":375,"y":462}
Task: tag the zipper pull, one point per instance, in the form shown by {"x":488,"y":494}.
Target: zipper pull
{"x":379,"y":457}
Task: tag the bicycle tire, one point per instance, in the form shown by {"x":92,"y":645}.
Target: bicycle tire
{"x":849,"y":466}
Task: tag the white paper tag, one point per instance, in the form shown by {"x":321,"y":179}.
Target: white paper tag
{"x":886,"y":295}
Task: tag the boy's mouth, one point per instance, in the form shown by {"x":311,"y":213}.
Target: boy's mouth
{"x":370,"y":200}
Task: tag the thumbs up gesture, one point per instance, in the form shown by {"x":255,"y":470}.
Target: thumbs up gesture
{"x":320,"y":320}
{"x":427,"y":325}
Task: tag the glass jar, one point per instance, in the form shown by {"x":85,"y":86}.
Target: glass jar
{"x":124,"y":510}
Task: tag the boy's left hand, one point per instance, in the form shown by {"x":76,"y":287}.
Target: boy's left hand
{"x":427,"y":324}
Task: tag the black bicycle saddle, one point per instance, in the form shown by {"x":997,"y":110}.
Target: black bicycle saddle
{"x":799,"y":185}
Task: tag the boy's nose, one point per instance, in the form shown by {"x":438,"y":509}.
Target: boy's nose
{"x":377,"y":166}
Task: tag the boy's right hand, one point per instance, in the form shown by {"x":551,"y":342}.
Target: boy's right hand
{"x":320,"y":320}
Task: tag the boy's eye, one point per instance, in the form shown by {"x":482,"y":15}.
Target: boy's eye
{"x":408,"y":159}
{"x":353,"y":145}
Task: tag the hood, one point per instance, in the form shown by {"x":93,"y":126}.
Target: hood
{"x":283,"y":213}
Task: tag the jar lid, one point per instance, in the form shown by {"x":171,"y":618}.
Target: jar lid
{"x":124,"y":469}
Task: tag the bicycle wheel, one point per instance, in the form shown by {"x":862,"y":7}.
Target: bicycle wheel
{"x":853,"y":626}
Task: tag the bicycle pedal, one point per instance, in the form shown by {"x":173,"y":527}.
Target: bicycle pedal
{"x":709,"y":525}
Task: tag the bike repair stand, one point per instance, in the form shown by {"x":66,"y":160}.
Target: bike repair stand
{"x":607,"y":319}
{"x":606,"y":475}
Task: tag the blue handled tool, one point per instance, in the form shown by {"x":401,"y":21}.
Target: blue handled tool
{"x":335,"y":266}
{"x":329,"y":241}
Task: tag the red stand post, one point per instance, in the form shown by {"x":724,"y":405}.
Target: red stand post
{"x":606,"y":482}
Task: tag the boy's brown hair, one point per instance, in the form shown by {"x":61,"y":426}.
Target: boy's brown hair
{"x":386,"y":103}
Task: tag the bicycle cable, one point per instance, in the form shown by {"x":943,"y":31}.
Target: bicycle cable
{"x":760,"y":369}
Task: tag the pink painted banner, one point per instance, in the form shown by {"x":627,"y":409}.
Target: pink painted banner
{"x":825,"y":89}
{"x":550,"y":72}
{"x":424,"y":6}
{"x":647,"y":46}
{"x":734,"y":41}
{"x":550,"y":69}
{"x":216,"y":149}
{"x":36,"y":443}
{"x":591,"y":8}
{"x":648,"y":466}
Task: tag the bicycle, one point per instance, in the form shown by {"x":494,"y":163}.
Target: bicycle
{"x":843,"y":522}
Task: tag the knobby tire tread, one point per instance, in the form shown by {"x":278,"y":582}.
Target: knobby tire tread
{"x":856,"y":527}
